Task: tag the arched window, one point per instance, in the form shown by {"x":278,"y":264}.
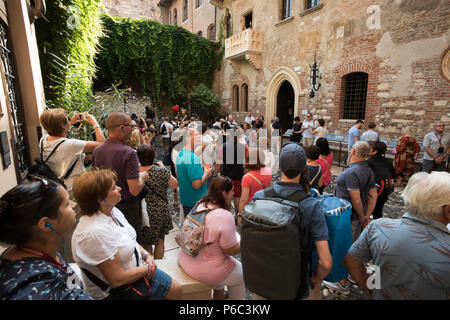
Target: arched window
{"x":354,"y":93}
{"x":185,"y":10}
{"x":286,"y":9}
{"x":235,"y":98}
{"x":175,"y":17}
{"x":245,"y":97}
{"x":200,"y":34}
{"x":212,"y":32}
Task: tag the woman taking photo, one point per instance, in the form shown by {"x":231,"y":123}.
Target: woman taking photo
{"x":33,"y":218}
{"x":104,"y":246}
{"x":214,"y":263}
{"x":71,"y":151}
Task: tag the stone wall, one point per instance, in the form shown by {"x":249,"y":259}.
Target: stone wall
{"x":400,"y":45}
{"x":136,"y":9}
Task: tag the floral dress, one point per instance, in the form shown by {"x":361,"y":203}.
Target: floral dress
{"x":35,"y":278}
{"x":406,"y":148}
{"x":157,"y":206}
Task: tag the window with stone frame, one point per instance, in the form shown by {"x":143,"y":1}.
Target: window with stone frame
{"x":212,"y":32}
{"x":311,"y":4}
{"x":354,"y":94}
{"x":175,"y":22}
{"x":245,"y":97}
{"x":286,"y":9}
{"x":185,"y":10}
{"x":200,"y":34}
{"x":198,"y":3}
{"x":235,"y":98}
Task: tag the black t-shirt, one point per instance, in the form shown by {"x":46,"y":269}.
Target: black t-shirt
{"x":297,"y":137}
{"x":276,"y":126}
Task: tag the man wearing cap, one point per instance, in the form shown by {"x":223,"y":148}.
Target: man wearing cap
{"x":292,"y":163}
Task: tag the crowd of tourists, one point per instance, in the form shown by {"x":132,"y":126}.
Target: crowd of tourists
{"x":109,"y":212}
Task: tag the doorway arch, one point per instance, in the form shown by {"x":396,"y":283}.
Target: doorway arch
{"x":285,"y":105}
{"x":281,"y":75}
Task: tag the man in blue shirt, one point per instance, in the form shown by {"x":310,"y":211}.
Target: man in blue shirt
{"x":191,"y":178}
{"x":292,"y":163}
{"x":411,"y":253}
{"x":354,"y":135}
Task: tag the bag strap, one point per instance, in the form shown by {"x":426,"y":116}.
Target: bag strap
{"x":70,"y":170}
{"x":317,"y":174}
{"x":97,"y":281}
{"x":298,"y":196}
{"x":51,"y":153}
{"x":256,"y":179}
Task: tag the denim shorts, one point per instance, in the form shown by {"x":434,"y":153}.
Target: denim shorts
{"x":160,"y":284}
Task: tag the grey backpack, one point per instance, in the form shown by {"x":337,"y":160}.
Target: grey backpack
{"x":275,"y":250}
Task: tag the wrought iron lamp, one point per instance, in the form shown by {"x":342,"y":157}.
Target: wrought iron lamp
{"x":314,"y":77}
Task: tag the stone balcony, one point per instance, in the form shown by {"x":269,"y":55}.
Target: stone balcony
{"x":245,"y":46}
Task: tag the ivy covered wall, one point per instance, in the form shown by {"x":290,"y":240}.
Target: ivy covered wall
{"x":67,"y":43}
{"x":165,"y":60}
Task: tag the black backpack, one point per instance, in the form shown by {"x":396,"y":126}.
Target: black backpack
{"x":163,"y":129}
{"x":275,"y":246}
{"x":41,"y":169}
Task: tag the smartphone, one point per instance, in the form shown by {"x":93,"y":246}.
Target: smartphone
{"x":78,"y":124}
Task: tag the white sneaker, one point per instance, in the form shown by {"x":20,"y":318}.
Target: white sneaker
{"x":350,"y":279}
{"x":337,"y":286}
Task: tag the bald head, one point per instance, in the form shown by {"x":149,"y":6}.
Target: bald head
{"x":115,"y":119}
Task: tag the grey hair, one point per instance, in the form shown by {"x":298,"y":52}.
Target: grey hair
{"x":437,"y":122}
{"x":362,"y":149}
{"x":427,"y":193}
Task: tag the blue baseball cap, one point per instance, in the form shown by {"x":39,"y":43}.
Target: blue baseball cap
{"x":292,"y":157}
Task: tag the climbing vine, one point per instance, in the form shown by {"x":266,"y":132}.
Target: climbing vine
{"x":165,"y":60}
{"x":67,"y":43}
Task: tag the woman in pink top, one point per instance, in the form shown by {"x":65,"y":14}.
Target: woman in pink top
{"x":214,"y":263}
{"x":257,"y":177}
{"x":326,"y":162}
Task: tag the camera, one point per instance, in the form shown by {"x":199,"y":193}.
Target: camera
{"x":441,"y":149}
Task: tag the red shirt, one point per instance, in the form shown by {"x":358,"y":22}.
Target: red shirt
{"x":264,"y":175}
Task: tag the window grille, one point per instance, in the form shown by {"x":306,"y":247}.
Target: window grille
{"x":212,"y":32}
{"x":185,"y":10}
{"x":311,"y":3}
{"x":245,"y":97}
{"x":235,"y":98}
{"x":286,"y":10}
{"x":354,"y":86}
{"x":15,"y":110}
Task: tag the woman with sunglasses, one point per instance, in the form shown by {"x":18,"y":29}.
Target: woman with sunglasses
{"x":214,"y":263}
{"x":33,"y":218}
{"x":114,"y":266}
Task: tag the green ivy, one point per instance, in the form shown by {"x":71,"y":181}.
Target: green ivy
{"x":67,"y":44}
{"x":162,"y":58}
